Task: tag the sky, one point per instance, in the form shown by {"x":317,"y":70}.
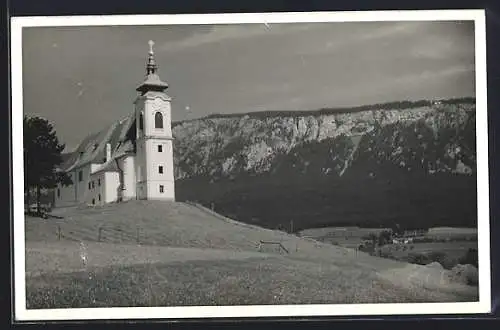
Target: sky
{"x":83,"y":79}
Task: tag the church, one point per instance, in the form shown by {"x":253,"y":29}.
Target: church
{"x":131,"y":159}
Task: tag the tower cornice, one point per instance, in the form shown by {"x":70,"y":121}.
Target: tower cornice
{"x":153,"y":95}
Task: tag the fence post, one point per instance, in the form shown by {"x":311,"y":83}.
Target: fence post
{"x":100,"y":234}
{"x":59,"y":232}
{"x":119,"y":229}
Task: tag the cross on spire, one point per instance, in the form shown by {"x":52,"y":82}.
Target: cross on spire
{"x":151,"y":44}
{"x":152,"y":81}
{"x":151,"y":67}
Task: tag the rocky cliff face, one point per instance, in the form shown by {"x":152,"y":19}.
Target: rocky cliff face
{"x":438,"y":138}
{"x":413,"y":165}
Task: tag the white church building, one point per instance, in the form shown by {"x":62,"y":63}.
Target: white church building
{"x":131,"y":159}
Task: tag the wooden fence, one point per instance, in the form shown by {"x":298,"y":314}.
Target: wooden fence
{"x":119,"y":234}
{"x":276,"y":244}
{"x":104,"y":233}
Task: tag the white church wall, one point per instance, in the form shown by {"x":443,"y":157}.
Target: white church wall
{"x":168,"y":176}
{"x":95,"y":195}
{"x":159,"y":185}
{"x":111,"y":186}
{"x":140,"y":172}
{"x":77,"y":192}
{"x":155,"y":191}
{"x":127,"y":164}
{"x":82,"y":179}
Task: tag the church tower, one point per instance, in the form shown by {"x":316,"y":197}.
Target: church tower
{"x":154,"y":165}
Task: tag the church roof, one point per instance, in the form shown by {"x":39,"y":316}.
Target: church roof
{"x":122,"y":149}
{"x":93,"y":148}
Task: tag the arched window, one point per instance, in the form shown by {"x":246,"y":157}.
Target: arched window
{"x":158,"y":120}
{"x":141,"y":121}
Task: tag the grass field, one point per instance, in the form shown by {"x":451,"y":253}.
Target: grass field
{"x":452,"y":233}
{"x":187,"y":255}
{"x":448,"y":254}
{"x":349,"y":237}
{"x":455,"y":249}
{"x":161,"y":224}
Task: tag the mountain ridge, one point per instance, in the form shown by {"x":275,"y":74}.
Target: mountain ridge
{"x":366,"y":168}
{"x":403,"y":105}
{"x":245,"y":144}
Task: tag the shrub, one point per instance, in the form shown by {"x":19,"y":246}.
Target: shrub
{"x":449,"y":262}
{"x":466,"y":274}
{"x":435,"y":264}
{"x":384,"y":237}
{"x":418,"y":258}
{"x":470,"y":258}
{"x":367,"y":248}
{"x":386,"y":254}
{"x":437,"y":256}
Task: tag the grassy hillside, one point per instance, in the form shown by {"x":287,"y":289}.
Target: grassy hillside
{"x":161,"y":224}
{"x":186,"y":255}
{"x":239,"y":280}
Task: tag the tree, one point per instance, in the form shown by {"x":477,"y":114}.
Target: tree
{"x":384,"y":237}
{"x":470,"y":257}
{"x":397,"y":230}
{"x":42,"y":155}
{"x":373,"y":238}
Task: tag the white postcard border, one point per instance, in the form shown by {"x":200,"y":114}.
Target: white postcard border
{"x":482,"y":306}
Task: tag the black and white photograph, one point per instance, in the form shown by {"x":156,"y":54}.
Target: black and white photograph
{"x":250,"y":165}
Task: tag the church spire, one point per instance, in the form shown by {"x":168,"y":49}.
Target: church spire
{"x":152,"y":81}
{"x":151,"y":66}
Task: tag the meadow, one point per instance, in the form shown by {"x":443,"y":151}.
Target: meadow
{"x":349,"y":237}
{"x":187,"y":255}
{"x":446,"y":245}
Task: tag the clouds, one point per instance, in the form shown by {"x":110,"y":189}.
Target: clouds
{"x":88,"y":79}
{"x":206,"y":35}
